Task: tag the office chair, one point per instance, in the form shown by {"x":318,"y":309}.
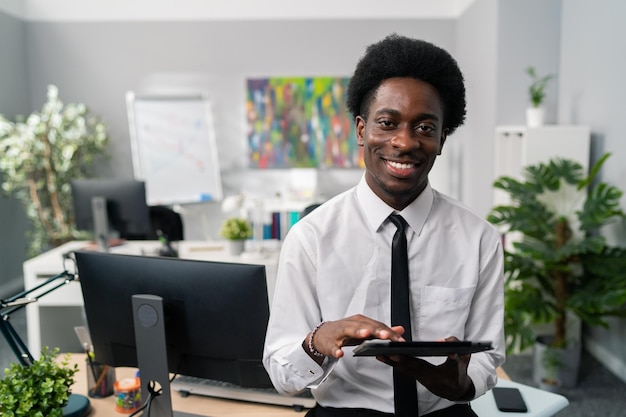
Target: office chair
{"x":169,"y":222}
{"x":308,"y":209}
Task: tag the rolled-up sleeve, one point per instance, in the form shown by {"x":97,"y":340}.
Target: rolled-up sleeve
{"x":295,"y":312}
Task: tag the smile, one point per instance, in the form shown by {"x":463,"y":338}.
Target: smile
{"x":399,"y":165}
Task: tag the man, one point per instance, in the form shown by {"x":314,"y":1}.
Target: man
{"x":333,"y":286}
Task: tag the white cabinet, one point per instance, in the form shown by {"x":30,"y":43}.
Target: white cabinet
{"x":519,"y":146}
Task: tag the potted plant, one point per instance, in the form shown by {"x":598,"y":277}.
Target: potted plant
{"x":559,"y":265}
{"x":40,"y":389}
{"x":40,"y":155}
{"x":551,"y":361}
{"x":536,"y":94}
{"x":236,"y":230}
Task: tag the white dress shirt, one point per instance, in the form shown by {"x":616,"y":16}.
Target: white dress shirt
{"x":336,"y":262}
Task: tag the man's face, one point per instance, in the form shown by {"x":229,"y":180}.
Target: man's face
{"x":401,"y":138}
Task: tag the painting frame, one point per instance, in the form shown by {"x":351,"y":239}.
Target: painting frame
{"x":300,"y":122}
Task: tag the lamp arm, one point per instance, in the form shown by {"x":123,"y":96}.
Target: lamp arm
{"x":15,"y":342}
{"x":12,"y":304}
{"x":7,"y":301}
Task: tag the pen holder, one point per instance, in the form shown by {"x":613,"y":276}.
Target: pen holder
{"x":100,"y":379}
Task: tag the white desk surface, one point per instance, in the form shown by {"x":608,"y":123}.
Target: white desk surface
{"x":539,"y":403}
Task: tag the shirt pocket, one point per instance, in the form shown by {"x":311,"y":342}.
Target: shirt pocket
{"x":444,"y":312}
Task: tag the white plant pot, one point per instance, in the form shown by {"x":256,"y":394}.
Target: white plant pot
{"x":567,"y":374}
{"x":550,"y":385}
{"x":235,"y":247}
{"x":535,"y":116}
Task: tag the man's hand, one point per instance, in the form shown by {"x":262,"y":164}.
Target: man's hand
{"x":351,"y":331}
{"x":448,"y":380}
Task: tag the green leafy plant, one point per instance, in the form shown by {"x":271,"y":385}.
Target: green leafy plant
{"x":236,"y":228}
{"x":40,"y":155}
{"x":559,"y":262}
{"x":536,"y":91}
{"x":37,"y":390}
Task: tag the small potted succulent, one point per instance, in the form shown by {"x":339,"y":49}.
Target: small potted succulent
{"x":40,"y":389}
{"x":236,"y":230}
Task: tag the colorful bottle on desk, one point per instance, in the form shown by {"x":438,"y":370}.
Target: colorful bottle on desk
{"x":127,"y":395}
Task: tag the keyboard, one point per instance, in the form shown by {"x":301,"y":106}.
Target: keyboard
{"x":186,"y":385}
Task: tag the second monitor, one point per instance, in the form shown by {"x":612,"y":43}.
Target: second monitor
{"x":115,"y":208}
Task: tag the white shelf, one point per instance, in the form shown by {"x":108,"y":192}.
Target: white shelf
{"x":517,"y":147}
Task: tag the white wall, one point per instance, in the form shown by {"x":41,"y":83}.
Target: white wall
{"x":529,"y":34}
{"x":592,"y":87}
{"x":194,"y":10}
{"x":476,"y":51}
{"x":496,"y":41}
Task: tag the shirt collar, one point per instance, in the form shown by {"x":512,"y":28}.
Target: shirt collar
{"x":376,"y":210}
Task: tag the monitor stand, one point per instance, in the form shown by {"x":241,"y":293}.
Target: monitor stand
{"x":100,"y":222}
{"x":152,"y":353}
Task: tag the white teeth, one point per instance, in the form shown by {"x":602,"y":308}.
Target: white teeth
{"x":399,"y":165}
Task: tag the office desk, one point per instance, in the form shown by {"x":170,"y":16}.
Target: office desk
{"x":193,"y":404}
{"x":540,"y":403}
{"x":53,"y":317}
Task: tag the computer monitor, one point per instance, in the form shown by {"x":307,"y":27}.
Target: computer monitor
{"x":215,"y":314}
{"x":126,"y":212}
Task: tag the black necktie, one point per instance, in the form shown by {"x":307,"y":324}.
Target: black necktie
{"x":405,"y":392}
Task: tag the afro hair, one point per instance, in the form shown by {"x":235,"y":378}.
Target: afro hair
{"x":399,"y":56}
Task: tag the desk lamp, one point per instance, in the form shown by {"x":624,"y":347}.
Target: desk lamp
{"x":77,"y":405}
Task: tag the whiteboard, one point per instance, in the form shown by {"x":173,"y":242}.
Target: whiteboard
{"x":173,"y":148}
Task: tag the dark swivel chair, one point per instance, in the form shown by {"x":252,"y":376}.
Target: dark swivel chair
{"x":169,"y":222}
{"x":309,"y":209}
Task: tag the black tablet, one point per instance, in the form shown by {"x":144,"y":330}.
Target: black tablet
{"x":387,"y":348}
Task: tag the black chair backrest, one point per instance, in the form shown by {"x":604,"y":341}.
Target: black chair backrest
{"x":309,"y":209}
{"x":169,"y":222}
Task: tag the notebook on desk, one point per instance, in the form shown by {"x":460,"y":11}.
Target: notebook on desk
{"x":186,"y":385}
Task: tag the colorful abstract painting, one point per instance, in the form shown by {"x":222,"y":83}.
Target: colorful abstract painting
{"x":300,"y":123}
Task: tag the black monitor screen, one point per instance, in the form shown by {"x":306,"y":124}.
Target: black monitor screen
{"x":127,"y":210}
{"x":215,"y":313}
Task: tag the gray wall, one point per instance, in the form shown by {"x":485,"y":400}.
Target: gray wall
{"x":592,"y":88}
{"x":98,"y":63}
{"x":13,"y":100}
